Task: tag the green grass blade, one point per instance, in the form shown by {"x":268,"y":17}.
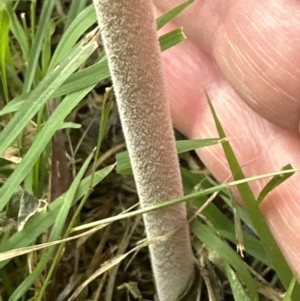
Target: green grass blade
{"x":39,"y":223}
{"x":55,"y":233}
{"x":14,"y":104}
{"x":207,"y":236}
{"x":4,"y":49}
{"x":68,"y":201}
{"x":46,"y":51}
{"x":236,"y":286}
{"x":171,"y":14}
{"x":21,"y":290}
{"x":189,"y":197}
{"x":224,"y":227}
{"x":243,"y":214}
{"x":73,"y":33}
{"x":184,"y":146}
{"x":52,"y":125}
{"x":37,"y":44}
{"x":14,"y":80}
{"x":75,"y":9}
{"x":99,"y":71}
{"x":273,"y":183}
{"x":288,"y":294}
{"x":278,"y":261}
{"x":123,"y":162}
{"x":171,"y":39}
{"x":88,"y":76}
{"x":58,"y":226}
{"x":18,"y":32}
{"x":222,"y":224}
{"x":77,"y":81}
{"x":42,"y":93}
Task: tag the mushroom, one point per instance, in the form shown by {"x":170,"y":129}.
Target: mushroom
{"x":130,"y":40}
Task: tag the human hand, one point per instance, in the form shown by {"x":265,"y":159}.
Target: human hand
{"x":245,"y":54}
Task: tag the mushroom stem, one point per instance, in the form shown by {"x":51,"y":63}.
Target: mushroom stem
{"x":130,"y":41}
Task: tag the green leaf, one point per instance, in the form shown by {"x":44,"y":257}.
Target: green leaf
{"x":278,"y":261}
{"x":184,"y":146}
{"x":47,"y":44}
{"x":4,"y":49}
{"x":14,"y":105}
{"x":288,"y":294}
{"x":38,"y":97}
{"x":43,"y":138}
{"x":75,"y":9}
{"x":171,"y":14}
{"x":73,"y":33}
{"x":18,"y":32}
{"x":68,"y":201}
{"x":212,"y":241}
{"x":45,"y":18}
{"x":70,"y":125}
{"x":222,"y":224}
{"x":83,"y":78}
{"x":124,"y":167}
{"x":58,"y":227}
{"x":59,"y":218}
{"x":77,"y":81}
{"x":236,"y":286}
{"x":171,"y":39}
{"x":225,"y":228}
{"x":39,"y":223}
{"x":274,"y":182}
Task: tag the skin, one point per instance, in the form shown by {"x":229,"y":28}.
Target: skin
{"x":246,"y":54}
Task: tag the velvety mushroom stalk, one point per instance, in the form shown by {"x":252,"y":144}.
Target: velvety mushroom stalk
{"x":130,"y":40}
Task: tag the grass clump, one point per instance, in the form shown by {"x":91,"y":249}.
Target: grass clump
{"x":88,"y":244}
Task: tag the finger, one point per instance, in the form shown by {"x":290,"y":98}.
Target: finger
{"x":256,"y":46}
{"x":260,"y":146}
